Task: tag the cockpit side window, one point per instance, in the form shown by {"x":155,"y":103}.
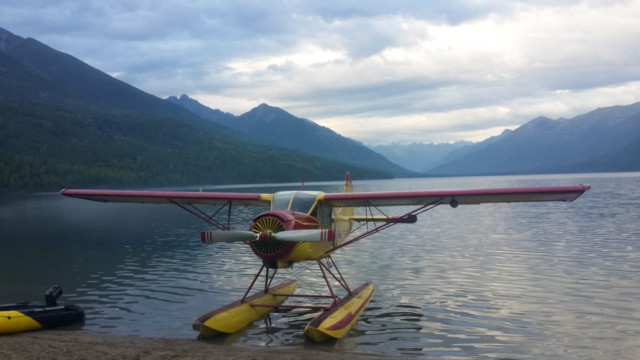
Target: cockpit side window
{"x":302,"y":202}
{"x":281,"y":200}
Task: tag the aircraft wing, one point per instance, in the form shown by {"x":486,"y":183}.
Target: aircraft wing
{"x":170,"y":197}
{"x":455,"y":197}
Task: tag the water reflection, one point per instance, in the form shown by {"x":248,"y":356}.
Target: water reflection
{"x":491,"y":281}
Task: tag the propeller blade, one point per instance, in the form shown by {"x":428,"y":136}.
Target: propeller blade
{"x":210,"y":236}
{"x":313,"y":235}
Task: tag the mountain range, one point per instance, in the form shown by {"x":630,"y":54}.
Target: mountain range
{"x":276,"y":127}
{"x":419,"y":157}
{"x":65,"y":123}
{"x":603,"y":140}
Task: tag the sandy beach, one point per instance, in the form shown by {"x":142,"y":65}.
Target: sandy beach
{"x":69,"y":345}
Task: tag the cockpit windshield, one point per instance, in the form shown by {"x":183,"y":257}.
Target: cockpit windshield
{"x":298,"y":201}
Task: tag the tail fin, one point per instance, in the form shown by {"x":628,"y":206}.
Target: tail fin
{"x":347,"y":212}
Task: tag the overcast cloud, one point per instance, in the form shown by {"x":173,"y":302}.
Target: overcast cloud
{"x":376,"y":71}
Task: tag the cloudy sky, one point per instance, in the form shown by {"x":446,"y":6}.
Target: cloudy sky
{"x":376,"y":71}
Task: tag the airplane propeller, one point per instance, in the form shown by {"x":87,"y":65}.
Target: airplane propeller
{"x":311,"y":235}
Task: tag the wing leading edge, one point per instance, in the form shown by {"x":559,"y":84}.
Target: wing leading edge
{"x":170,"y":197}
{"x":455,"y":197}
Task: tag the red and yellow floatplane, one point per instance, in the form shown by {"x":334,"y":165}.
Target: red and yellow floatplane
{"x":310,"y":226}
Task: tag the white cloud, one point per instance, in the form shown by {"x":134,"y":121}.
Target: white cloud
{"x":474,"y":124}
{"x":436,"y":71}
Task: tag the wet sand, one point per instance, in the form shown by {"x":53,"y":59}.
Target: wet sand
{"x":70,"y":345}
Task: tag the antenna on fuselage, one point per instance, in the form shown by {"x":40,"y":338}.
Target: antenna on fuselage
{"x":304,"y":173}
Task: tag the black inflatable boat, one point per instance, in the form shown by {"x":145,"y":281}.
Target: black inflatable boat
{"x":27,"y":316}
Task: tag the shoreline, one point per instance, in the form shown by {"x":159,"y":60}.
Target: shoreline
{"x":70,"y":345}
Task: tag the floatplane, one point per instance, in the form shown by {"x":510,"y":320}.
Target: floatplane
{"x":310,"y":226}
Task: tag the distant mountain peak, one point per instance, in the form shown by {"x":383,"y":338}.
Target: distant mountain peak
{"x":182,"y":98}
{"x":193,"y":105}
{"x":539,"y":120}
{"x":186,"y":98}
{"x":417,"y":156}
{"x":264,"y":109}
{"x":8,"y":39}
{"x":538,"y":124}
{"x":267,"y":113}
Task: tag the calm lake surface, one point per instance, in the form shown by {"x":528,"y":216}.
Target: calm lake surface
{"x":516,"y":281}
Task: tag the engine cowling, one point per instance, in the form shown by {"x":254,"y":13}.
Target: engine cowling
{"x":269,"y":249}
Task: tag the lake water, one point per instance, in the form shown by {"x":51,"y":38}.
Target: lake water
{"x":503,"y":281}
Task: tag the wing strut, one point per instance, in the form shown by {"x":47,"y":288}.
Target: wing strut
{"x":378,"y":228}
{"x":209,"y":219}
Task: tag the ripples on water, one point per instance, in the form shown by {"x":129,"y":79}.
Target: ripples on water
{"x":549,"y":280}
